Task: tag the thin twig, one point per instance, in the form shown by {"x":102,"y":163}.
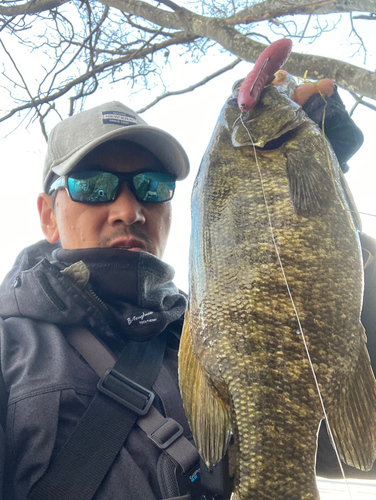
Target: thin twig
{"x":192,"y":87}
{"x":305,"y":28}
{"x":359,"y":100}
{"x":25,"y":87}
{"x":353,"y":30}
{"x":82,"y":46}
{"x":182,"y":38}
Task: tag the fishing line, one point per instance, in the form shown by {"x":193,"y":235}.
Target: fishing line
{"x":295,"y":309}
{"x":364,"y":213}
{"x":315,"y":84}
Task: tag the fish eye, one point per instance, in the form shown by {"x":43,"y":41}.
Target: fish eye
{"x":233,"y":102}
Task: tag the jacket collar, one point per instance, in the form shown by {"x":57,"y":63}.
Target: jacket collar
{"x":117,"y":292}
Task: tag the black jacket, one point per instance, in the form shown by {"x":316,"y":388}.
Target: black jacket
{"x":50,"y":385}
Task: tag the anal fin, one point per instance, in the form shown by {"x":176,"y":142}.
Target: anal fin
{"x":353,"y":420}
{"x":208,"y":415}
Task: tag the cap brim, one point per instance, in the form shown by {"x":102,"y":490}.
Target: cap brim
{"x":163,"y":145}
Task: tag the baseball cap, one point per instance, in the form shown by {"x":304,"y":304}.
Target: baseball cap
{"x":73,"y":138}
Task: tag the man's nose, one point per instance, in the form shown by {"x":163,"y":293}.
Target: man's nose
{"x":126,"y":208}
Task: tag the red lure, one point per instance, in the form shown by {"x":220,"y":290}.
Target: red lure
{"x":268,"y":63}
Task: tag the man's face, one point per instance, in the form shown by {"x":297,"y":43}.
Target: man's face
{"x":124,"y":223}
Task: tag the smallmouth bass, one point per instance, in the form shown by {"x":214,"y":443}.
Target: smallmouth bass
{"x":243,"y":367}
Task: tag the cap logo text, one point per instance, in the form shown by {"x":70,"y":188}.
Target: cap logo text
{"x":118,"y":118}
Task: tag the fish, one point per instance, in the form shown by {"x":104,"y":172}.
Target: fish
{"x":272,"y":340}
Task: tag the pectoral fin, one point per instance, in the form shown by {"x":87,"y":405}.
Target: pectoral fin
{"x":353,"y":420}
{"x":308,"y":183}
{"x":207,"y":414}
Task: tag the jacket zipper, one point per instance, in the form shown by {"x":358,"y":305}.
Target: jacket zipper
{"x":94,"y":299}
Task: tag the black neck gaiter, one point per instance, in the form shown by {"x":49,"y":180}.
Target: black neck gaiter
{"x":136,"y":287}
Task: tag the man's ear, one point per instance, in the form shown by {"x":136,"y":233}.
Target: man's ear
{"x":47,"y":218}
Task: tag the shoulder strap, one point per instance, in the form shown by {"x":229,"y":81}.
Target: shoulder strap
{"x":123,"y":395}
{"x":166,"y":433}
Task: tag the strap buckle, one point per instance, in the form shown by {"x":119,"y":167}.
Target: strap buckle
{"x":122,"y":389}
{"x":166,"y":433}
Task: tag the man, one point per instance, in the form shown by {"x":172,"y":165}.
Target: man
{"x":105,"y":212}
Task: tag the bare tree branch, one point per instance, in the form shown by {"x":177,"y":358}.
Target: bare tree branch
{"x":184,"y":37}
{"x":248,"y":49}
{"x":153,"y":14}
{"x":305,"y":28}
{"x":82,"y":45}
{"x":347,"y":76}
{"x":172,"y":5}
{"x":191,"y":87}
{"x":277,"y":8}
{"x":25,"y":86}
{"x":361,"y":43}
{"x":31,"y":7}
{"x":144,"y":28}
{"x":367,"y":18}
{"x":359,"y":100}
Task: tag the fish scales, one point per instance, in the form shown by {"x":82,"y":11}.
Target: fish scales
{"x":242,"y":365}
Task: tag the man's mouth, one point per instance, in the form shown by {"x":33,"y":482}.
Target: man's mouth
{"x":133,"y":238}
{"x":133,"y":245}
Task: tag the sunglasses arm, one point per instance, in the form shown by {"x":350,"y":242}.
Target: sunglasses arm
{"x":61,"y":182}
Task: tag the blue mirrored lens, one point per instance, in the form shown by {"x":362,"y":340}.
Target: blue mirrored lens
{"x":93,"y":187}
{"x":153,"y":187}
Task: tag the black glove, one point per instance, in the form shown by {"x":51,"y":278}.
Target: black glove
{"x":344,"y":136}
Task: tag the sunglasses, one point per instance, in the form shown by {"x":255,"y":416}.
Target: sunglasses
{"x":96,"y":186}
